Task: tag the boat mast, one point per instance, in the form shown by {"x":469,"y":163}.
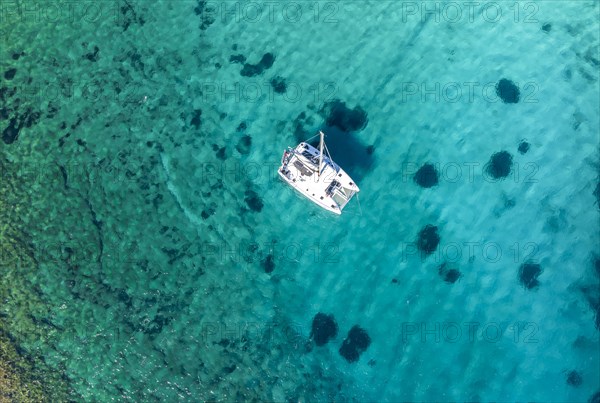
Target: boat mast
{"x":321,"y":151}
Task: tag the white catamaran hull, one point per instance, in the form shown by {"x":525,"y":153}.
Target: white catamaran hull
{"x":317,"y":177}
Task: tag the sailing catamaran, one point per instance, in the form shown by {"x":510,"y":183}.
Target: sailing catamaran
{"x":316,"y":176}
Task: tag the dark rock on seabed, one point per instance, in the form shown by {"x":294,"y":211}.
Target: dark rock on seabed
{"x":265,"y":63}
{"x":426,"y":176}
{"x":428,"y":239}
{"x":508,"y":91}
{"x":499,"y":165}
{"x":528,"y":274}
{"x":324,"y":328}
{"x":355,"y":344}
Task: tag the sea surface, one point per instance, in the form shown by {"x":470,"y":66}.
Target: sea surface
{"x":149,"y":251}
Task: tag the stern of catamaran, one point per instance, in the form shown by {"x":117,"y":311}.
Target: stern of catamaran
{"x":341,"y":194}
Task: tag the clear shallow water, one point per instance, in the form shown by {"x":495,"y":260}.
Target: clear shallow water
{"x":141,"y":247}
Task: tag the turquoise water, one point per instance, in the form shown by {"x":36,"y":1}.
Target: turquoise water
{"x":151,"y":253}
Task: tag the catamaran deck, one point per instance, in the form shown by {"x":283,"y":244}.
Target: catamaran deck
{"x":331,"y":189}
